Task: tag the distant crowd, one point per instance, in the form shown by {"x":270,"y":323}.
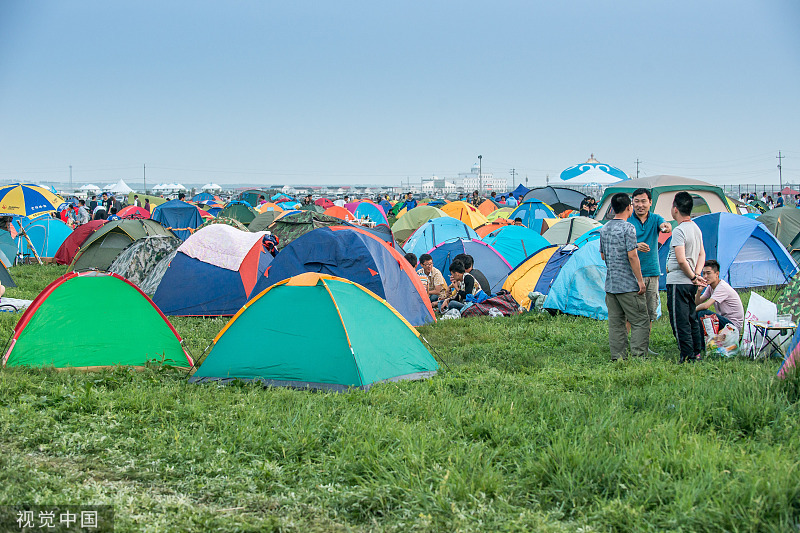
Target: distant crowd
{"x":768,"y":201}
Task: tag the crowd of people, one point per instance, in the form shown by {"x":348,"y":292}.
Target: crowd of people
{"x":769,"y":202}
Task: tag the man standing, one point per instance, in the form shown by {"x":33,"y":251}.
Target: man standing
{"x":779,"y":201}
{"x":136,"y":201}
{"x":648,"y":225}
{"x":624,"y":283}
{"x":432,"y":278}
{"x":410,"y":202}
{"x":93,"y":203}
{"x":82,"y":215}
{"x":721,"y":295}
{"x":511,"y":202}
{"x":684,"y":265}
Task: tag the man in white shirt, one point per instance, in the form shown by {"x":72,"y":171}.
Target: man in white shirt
{"x":721,"y":295}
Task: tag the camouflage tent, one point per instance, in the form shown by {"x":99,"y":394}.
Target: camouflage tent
{"x":789,"y":300}
{"x":140,"y":257}
{"x":153,"y":279}
{"x":293,"y":225}
{"x":264,"y":220}
{"x":312,"y":207}
{"x":103,"y":246}
{"x":222,"y":220}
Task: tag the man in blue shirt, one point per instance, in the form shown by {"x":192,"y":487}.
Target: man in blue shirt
{"x":511,"y":201}
{"x":648,"y":225}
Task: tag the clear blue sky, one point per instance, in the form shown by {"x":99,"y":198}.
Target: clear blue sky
{"x":375,"y":92}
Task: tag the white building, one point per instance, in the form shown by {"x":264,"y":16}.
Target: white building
{"x":437,"y":186}
{"x":474,"y":179}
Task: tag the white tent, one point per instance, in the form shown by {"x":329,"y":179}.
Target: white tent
{"x":90,"y":188}
{"x":211,"y":187}
{"x":121,"y":187}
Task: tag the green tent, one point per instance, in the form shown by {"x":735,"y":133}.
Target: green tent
{"x":51,"y":333}
{"x":329,"y":333}
{"x":292,"y":225}
{"x":789,"y":301}
{"x":567,"y":230}
{"x":252,"y":196}
{"x":103,"y":246}
{"x":239,"y":211}
{"x":784,"y":223}
{"x":311,"y":207}
{"x":412,"y":220}
{"x":222,"y":220}
{"x":264,"y":220}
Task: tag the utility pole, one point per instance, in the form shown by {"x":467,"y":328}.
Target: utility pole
{"x":513,"y":173}
{"x":637,"y":168}
{"x":480,"y":174}
{"x":780,"y":172}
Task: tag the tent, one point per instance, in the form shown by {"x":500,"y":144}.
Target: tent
{"x":137,"y":260}
{"x":708,"y":198}
{"x":211,"y":187}
{"x":46,"y":234}
{"x":264,"y":220}
{"x":308,"y":207}
{"x":180,"y":217}
{"x":486,"y":259}
{"x":66,"y":252}
{"x":593,"y":172}
{"x":49,"y":334}
{"x":568,"y":230}
{"x":530,"y":211}
{"x":371,"y":211}
{"x":503,"y":212}
{"x":789,"y":300}
{"x":222,"y":220}
{"x":784,"y":223}
{"x":489,"y":206}
{"x":132,"y":211}
{"x":341,"y":213}
{"x":8,"y":248}
{"x":5,"y":275}
{"x":292,"y":225}
{"x":486,"y":229}
{"x":792,"y":357}
{"x":406,"y":226}
{"x":239,"y":211}
{"x":269,"y":206}
{"x":213,"y":273}
{"x":324,"y":203}
{"x":748,"y":254}
{"x":119,"y":188}
{"x":579,"y":287}
{"x":436,"y":231}
{"x":105,"y":243}
{"x":466,"y":213}
{"x":515,"y":243}
{"x":520,"y":191}
{"x":355,"y":254}
{"x":559,"y":199}
{"x":537,"y":273}
{"x":330,"y":334}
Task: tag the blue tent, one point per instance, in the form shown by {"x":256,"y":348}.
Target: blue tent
{"x":748,"y":254}
{"x":437,"y":231}
{"x":520,"y":191}
{"x":579,"y":286}
{"x":213,"y":272}
{"x":8,"y":248}
{"x":204,"y":197}
{"x":178,"y":216}
{"x":46,"y":235}
{"x":531,"y":212}
{"x":368,"y":209}
{"x":437,"y":203}
{"x":359,"y":256}
{"x":486,"y":259}
{"x":214,"y":211}
{"x":515,"y":243}
{"x":386,"y":205}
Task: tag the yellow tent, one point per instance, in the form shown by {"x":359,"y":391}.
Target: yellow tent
{"x":503,"y":212}
{"x":523,"y":279}
{"x":466,"y":213}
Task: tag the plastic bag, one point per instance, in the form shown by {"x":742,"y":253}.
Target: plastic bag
{"x":725,"y":343}
{"x":493,"y":312}
{"x":451,"y":314}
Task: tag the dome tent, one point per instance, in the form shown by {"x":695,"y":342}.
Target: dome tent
{"x":437,"y":231}
{"x":559,"y":199}
{"x":106,"y":242}
{"x":406,"y":226}
{"x":568,"y":230}
{"x":466,"y":213}
{"x":515,"y":243}
{"x":537,"y":273}
{"x":486,"y":259}
{"x":748,"y":254}
{"x":330,"y":334}
{"x":46,"y":335}
{"x":784,"y":223}
{"x":180,"y":217}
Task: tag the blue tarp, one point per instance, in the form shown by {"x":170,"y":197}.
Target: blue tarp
{"x":363,"y":259}
{"x":531,"y":212}
{"x":748,"y":254}
{"x":486,"y":259}
{"x":515,"y":243}
{"x":437,"y":231}
{"x":520,"y":191}
{"x":178,"y":216}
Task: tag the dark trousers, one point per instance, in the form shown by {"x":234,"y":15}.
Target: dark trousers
{"x":683,"y":319}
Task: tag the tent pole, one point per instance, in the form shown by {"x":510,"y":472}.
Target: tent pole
{"x":30,"y":244}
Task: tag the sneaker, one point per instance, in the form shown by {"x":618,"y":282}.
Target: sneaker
{"x":651,"y":352}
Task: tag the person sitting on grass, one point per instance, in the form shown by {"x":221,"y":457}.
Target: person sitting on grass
{"x":463,"y":284}
{"x":432,"y":278}
{"x":721,"y":295}
{"x":412,"y":259}
{"x":469,"y":264}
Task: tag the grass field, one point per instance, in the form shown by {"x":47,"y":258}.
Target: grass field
{"x":531,"y":428}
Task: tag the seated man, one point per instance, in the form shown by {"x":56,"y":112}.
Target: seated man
{"x":463,"y":284}
{"x":412,"y":259}
{"x":469,"y":264}
{"x":432,"y":278}
{"x":721,"y":295}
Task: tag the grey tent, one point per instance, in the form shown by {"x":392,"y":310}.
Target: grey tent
{"x":559,"y":198}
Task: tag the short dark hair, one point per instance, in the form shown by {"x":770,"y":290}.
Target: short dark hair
{"x":713,"y":265}
{"x":457,"y":266}
{"x":82,"y":202}
{"x":620,"y":202}
{"x":517,"y":219}
{"x":684,"y":202}
{"x":642,"y":190}
{"x":425,"y":257}
{"x":411,"y":258}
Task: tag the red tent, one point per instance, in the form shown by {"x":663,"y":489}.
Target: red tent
{"x":133,"y":211}
{"x":324,"y":203}
{"x":72,"y":244}
{"x":787,"y":190}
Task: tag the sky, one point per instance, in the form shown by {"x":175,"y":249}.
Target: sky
{"x":373,"y":92}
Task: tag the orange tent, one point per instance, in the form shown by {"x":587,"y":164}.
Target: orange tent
{"x":486,"y":229}
{"x":340,"y":212}
{"x":269,"y":206}
{"x":488,"y":207}
{"x":466,"y":213}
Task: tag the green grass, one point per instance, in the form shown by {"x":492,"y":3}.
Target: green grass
{"x":532,"y":428}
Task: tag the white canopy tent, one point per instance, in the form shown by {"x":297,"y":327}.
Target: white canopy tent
{"x":209,"y":187}
{"x":89,"y":187}
{"x":120,"y":187}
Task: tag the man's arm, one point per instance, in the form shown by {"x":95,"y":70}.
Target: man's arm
{"x":705,"y":305}
{"x":633,"y":259}
{"x":683,"y":264}
{"x":701,"y":296}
